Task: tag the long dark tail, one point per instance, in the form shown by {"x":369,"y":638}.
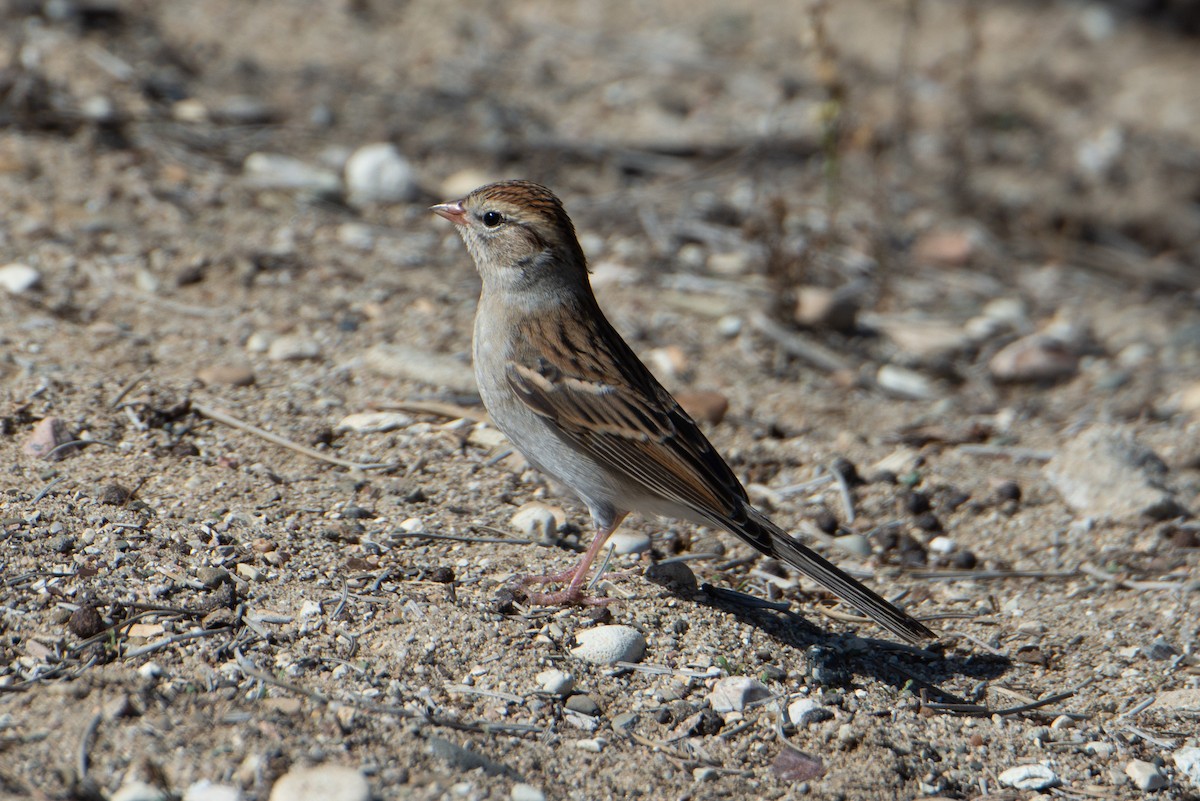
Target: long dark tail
{"x":773,"y":541}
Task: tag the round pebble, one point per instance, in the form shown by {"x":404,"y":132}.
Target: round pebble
{"x":1145,"y":775}
{"x":373,"y":422}
{"x":1029,"y":777}
{"x":537,"y":520}
{"x":205,"y":790}
{"x":526,"y":792}
{"x":323,"y":783}
{"x":19,"y":278}
{"x":377,"y":173}
{"x":626,"y":542}
{"x":676,"y":577}
{"x":583,"y":704}
{"x":735,"y":693}
{"x":555,"y":682}
{"x":607,"y":645}
{"x":231,"y":375}
{"x":293,"y":348}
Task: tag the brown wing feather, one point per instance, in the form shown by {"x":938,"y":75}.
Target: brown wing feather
{"x":636,"y":428}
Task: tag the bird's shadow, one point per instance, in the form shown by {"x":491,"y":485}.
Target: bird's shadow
{"x":834,"y":658}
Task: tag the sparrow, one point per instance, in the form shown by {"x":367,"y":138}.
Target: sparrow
{"x":560,"y":382}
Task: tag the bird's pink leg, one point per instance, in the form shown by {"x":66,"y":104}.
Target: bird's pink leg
{"x":576,"y":576}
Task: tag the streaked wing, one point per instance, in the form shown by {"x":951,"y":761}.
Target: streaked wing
{"x":600,"y":395}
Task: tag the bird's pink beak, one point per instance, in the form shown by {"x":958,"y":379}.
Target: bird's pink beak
{"x":454,"y":212}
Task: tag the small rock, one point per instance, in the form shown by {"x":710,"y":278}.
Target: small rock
{"x":1104,"y":472}
{"x":555,"y":682}
{"x":627,"y":542}
{"x":829,"y":309}
{"x":373,"y":422}
{"x":922,"y":339}
{"x":668,"y":361}
{"x":945,"y":248}
{"x":249,"y":572}
{"x":854,"y":544}
{"x":139,"y":791}
{"x":418,"y":364}
{"x":704,"y":774}
{"x":211,"y":576}
{"x":525,"y":792}
{"x":1145,"y":775}
{"x":804,"y":711}
{"x":1029,"y":777}
{"x":734,"y":262}
{"x":792,"y":765}
{"x":1187,"y":762}
{"x":593,"y":745}
{"x":275,"y":171}
{"x":705,"y":406}
{"x":942,"y":545}
{"x":19,"y":278}
{"x":151,"y":670}
{"x":607,"y":645}
{"x":905,"y":383}
{"x":231,"y":375}
{"x":49,"y":434}
{"x":1034,"y":358}
{"x":292,"y":349}
{"x":1160,"y":650}
{"x":377,"y":173}
{"x":242,"y":110}
{"x":537,"y":520}
{"x":322,"y":783}
{"x":734,"y":693}
{"x":85,"y":622}
{"x":1100,"y":748}
{"x":462,"y":758}
{"x":583,"y":704}
{"x":677,"y":577}
{"x":205,"y":790}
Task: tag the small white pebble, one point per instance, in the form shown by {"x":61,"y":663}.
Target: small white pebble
{"x":607,"y":645}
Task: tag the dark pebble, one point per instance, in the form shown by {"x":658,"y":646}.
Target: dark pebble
{"x":846,"y":469}
{"x":885,"y":477}
{"x":963,"y":560}
{"x":600,"y":615}
{"x":1008,"y":491}
{"x":928,"y":522}
{"x":63,"y":543}
{"x":952,"y":499}
{"x":358,"y":513}
{"x":503,"y":602}
{"x":825,"y":521}
{"x":114,"y":494}
{"x":85,"y":622}
{"x":442,"y":574}
{"x":583,"y":704}
{"x":917,"y":503}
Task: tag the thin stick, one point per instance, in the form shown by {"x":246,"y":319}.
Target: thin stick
{"x":85,"y":745}
{"x":158,"y":645}
{"x":426,"y":535}
{"x":125,"y":390}
{"x":1006,"y":452}
{"x":796,"y":345}
{"x":222,"y":416}
{"x":439,"y":408}
{"x":844,"y":492}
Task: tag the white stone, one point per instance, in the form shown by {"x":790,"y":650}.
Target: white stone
{"x":556,"y":682}
{"x":205,"y":790}
{"x":626,"y":542}
{"x":607,"y":645}
{"x":323,"y":783}
{"x":151,"y":670}
{"x":1145,"y":775}
{"x":735,"y":693}
{"x":373,"y":422}
{"x":905,"y":383}
{"x":595,"y":745}
{"x":1187,"y":762}
{"x":419,"y":364}
{"x":377,"y":173}
{"x":139,"y":791}
{"x":537,"y":520}
{"x":293,"y":348}
{"x":802,"y":711}
{"x":1029,"y":777}
{"x":526,"y":792}
{"x":18,"y":278}
{"x":943,"y":545}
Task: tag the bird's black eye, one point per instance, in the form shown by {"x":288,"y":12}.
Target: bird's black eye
{"x":492,"y":218}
